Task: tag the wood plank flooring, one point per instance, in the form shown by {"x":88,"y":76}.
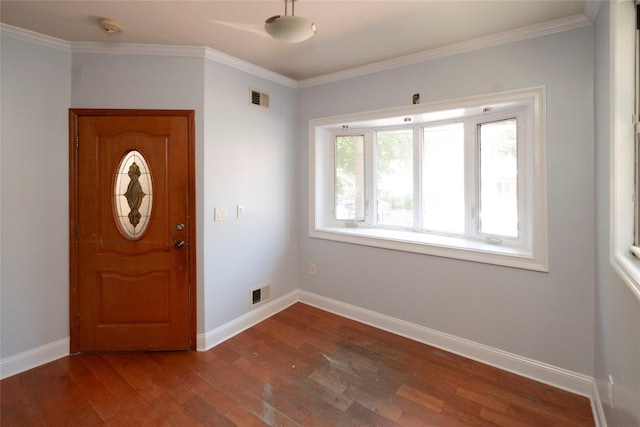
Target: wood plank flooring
{"x":302,"y":367}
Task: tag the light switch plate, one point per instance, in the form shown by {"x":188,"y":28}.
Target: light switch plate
{"x":219,"y":214}
{"x":240,"y":211}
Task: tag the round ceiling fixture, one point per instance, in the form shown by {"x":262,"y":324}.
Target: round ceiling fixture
{"x":110,"y":26}
{"x":289,"y":28}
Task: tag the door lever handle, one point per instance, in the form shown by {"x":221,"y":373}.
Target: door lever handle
{"x":177,"y":243}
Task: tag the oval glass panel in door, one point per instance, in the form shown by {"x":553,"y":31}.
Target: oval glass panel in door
{"x":133,"y":195}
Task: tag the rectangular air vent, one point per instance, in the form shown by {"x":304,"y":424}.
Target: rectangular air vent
{"x":259,"y":99}
{"x":260,"y":295}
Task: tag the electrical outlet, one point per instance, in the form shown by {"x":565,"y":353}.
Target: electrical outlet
{"x":312,"y":268}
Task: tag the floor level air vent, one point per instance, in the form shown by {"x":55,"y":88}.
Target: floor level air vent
{"x":260,"y":295}
{"x":259,"y":99}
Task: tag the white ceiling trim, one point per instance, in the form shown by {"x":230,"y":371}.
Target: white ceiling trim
{"x":138,"y":49}
{"x":181,"y":51}
{"x":250,"y":68}
{"x":532,"y":31}
{"x":143,"y":49}
{"x":34,"y":38}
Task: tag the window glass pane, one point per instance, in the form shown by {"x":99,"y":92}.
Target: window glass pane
{"x":349,"y":179}
{"x":499,"y":178}
{"x":394,"y":177}
{"x":443,"y":178}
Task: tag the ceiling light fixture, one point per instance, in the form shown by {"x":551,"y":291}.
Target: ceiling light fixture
{"x":110,"y":26}
{"x":289,"y":28}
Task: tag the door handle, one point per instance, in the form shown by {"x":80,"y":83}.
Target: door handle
{"x":177,"y":243}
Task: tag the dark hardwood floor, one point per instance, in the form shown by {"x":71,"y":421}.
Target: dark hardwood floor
{"x":302,"y":367}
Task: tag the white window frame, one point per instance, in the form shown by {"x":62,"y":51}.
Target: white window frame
{"x":622,"y":134}
{"x":531,"y":255}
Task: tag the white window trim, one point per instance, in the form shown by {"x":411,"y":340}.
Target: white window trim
{"x":535,"y":257}
{"x":622,"y":64}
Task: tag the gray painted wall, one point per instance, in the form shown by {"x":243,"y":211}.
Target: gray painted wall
{"x":243,"y":155}
{"x":617,"y":317}
{"x":36,"y":87}
{"x":548,"y":317}
{"x":553,"y":317}
{"x":249,"y":159}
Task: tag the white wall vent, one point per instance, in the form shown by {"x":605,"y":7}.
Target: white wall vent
{"x":259,"y":99}
{"x":260,"y":295}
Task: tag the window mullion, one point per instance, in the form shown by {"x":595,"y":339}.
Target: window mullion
{"x":417,"y":179}
{"x":472,"y":178}
{"x":369,"y":178}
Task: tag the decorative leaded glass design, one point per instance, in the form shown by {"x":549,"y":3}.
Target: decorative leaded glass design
{"x":133,"y":195}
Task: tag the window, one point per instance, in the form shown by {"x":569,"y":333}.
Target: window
{"x":443,"y":178}
{"x":349,"y":177}
{"x":463,"y":179}
{"x":394,"y":177}
{"x":498,"y":145}
{"x":624,"y":134}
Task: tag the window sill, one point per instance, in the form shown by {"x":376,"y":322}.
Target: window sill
{"x":628,"y":267}
{"x":429,"y":244}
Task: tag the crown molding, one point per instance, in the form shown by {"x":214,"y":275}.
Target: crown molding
{"x":529,"y":32}
{"x":144,"y":50}
{"x":34,"y":38}
{"x":180,"y":51}
{"x":250,"y":68}
{"x":532,"y":31}
{"x":137,"y":49}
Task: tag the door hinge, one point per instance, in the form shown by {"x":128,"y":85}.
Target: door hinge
{"x":77,"y":231}
{"x":78,"y":320}
{"x":77,"y":142}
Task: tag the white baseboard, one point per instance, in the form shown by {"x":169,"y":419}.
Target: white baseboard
{"x":48,"y":353}
{"x":596,"y":406}
{"x":558,"y":377}
{"x":529,"y":368}
{"x":33,"y":358}
{"x":212,"y":338}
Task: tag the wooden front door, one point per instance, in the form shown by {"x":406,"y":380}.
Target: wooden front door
{"x":132,"y":230}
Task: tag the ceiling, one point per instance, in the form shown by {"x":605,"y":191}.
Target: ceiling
{"x":351,"y":33}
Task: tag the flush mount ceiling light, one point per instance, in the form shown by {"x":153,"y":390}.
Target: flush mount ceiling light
{"x":110,"y":26}
{"x":289,"y":28}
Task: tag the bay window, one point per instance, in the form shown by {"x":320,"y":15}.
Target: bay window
{"x":462,"y":179}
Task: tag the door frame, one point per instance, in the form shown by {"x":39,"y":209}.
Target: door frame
{"x":74,"y":253}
